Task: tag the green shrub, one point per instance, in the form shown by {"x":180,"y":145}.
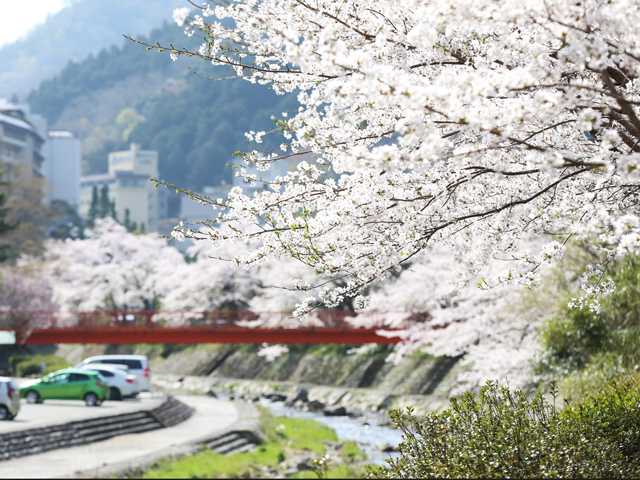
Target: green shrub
{"x":602,"y":368}
{"x":621,"y":308}
{"x":35,"y":365}
{"x":498,"y":434}
{"x":570,"y":339}
{"x":610,"y":419}
{"x":589,"y":348}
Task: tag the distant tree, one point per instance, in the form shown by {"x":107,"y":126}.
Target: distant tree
{"x":93,"y":208}
{"x":25,"y":301}
{"x":110,"y":269}
{"x":25,"y":212}
{"x":5,"y":226}
{"x":112,"y":210}
{"x":104,"y":204}
{"x":127,"y":219}
{"x":65,"y":221}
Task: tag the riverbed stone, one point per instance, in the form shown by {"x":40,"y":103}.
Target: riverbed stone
{"x":335,"y":412}
{"x":301,"y":396}
{"x":274,"y":397}
{"x":315,"y":406}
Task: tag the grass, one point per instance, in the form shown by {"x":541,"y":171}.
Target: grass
{"x":285,"y":438}
{"x":298,"y":433}
{"x":350,"y":452}
{"x":207,"y":464}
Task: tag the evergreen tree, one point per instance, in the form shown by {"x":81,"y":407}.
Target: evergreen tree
{"x":93,"y":208}
{"x":104,"y":204}
{"x":127,"y":220}
{"x":5,"y":227}
{"x":112,"y":210}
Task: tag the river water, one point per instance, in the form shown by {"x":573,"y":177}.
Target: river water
{"x":365,"y":431}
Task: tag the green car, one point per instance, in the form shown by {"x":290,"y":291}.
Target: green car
{"x":68,"y":384}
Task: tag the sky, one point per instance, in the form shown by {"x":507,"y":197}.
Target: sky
{"x":18,"y":17}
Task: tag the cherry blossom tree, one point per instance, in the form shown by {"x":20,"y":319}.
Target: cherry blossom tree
{"x":26,"y":301}
{"x":264,"y":294}
{"x":469,"y":139}
{"x":473,"y":125}
{"x":489,"y":326}
{"x":204,"y":285}
{"x":112,"y":269}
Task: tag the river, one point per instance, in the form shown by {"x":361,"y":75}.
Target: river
{"x":365,"y":431}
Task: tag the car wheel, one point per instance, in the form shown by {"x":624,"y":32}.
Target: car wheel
{"x":115,"y":394}
{"x":5,"y":414}
{"x":91,"y":399}
{"x":33,"y":397}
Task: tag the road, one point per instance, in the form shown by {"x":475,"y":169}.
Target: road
{"x":211,"y":417}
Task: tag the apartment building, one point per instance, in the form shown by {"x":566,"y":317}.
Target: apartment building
{"x":61,"y":167}
{"x":129,"y":186}
{"x":20,"y":142}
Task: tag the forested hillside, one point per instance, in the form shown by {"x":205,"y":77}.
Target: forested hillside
{"x":128,"y":94}
{"x":85,"y":27}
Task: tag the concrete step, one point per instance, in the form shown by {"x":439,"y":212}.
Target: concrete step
{"x":38,"y":440}
{"x":233,"y":441}
{"x":233,"y":446}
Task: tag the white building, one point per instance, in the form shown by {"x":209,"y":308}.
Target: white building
{"x":61,"y":167}
{"x":20,"y":142}
{"x":129,"y":186}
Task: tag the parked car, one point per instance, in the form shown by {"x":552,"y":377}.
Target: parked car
{"x":121,"y":383}
{"x":9,"y":399}
{"x":138,"y":365}
{"x":68,"y":384}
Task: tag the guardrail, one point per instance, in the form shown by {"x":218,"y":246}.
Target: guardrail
{"x":80,"y":432}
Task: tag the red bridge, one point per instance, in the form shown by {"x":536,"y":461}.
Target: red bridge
{"x":144,"y":326}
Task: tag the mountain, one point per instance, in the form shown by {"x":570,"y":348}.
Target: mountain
{"x":82,"y":28}
{"x":127,"y":94}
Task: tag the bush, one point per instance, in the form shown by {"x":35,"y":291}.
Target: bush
{"x":498,"y":434}
{"x":621,"y":308}
{"x":572,"y":338}
{"x":35,"y":365}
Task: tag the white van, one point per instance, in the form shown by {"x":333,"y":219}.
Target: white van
{"x":9,"y":399}
{"x":138,"y":366}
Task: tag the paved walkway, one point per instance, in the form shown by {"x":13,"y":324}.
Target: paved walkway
{"x":211,"y":416}
{"x":54,"y":412}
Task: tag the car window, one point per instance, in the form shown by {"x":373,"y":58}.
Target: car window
{"x":62,"y":378}
{"x":133,"y":364}
{"x":105,"y":373}
{"x":78,"y":377}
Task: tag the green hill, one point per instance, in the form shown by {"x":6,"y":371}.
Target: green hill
{"x":83,"y":27}
{"x":127,"y":94}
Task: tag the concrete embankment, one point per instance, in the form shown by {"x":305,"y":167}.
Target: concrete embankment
{"x":363,"y":377}
{"x":319,"y":397}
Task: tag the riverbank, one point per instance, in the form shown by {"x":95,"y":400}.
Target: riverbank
{"x":306,"y":396}
{"x":292,"y":448}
